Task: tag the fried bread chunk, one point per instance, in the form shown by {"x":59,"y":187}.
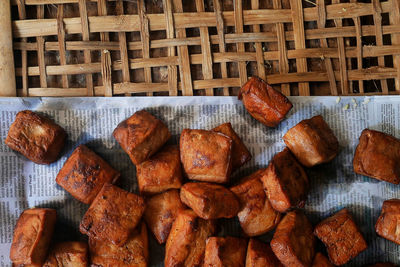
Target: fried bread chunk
{"x":141,"y":136}
{"x":293,"y":242}
{"x":378,"y":156}
{"x":260,"y":254}
{"x":263,"y":102}
{"x":225,"y":251}
{"x":341,"y":237}
{"x":387,"y":223}
{"x":113,"y":215}
{"x":321,"y":261}
{"x":312,"y":141}
{"x":68,"y":254}
{"x":32,"y":236}
{"x":206,"y":155}
{"x":36,"y":137}
{"x":256,"y":215}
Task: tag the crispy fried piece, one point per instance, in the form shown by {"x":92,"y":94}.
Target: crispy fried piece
{"x":384,"y":264}
{"x":206,"y":155}
{"x":293,"y":242}
{"x":260,"y":254}
{"x":161,"y":172}
{"x":256,"y":215}
{"x":141,"y":136}
{"x":32,"y":235}
{"x":377,"y":156}
{"x":312,"y":141}
{"x":186,"y":242}
{"x":341,"y":237}
{"x":84,"y":174}
{"x":161,"y":211}
{"x":36,"y":137}
{"x":285,"y":182}
{"x":210,"y":201}
{"x":321,"y":261}
{"x":240,"y":153}
{"x":225,"y":251}
{"x":113,"y":215}
{"x":134,"y":253}
{"x":68,"y":254}
{"x":387,"y":223}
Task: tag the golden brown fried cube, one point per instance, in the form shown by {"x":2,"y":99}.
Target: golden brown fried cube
{"x":36,"y":137}
{"x":321,"y":261}
{"x":186,"y":242}
{"x":225,"y":251}
{"x":285,"y":182}
{"x":312,"y":141}
{"x":134,"y":253}
{"x":206,"y":155}
{"x":161,"y":211}
{"x":256,"y":215}
{"x":113,"y":215}
{"x":32,"y":235}
{"x":263,"y":102}
{"x":161,"y":172}
{"x":387,"y":224}
{"x":293,"y":242}
{"x":341,"y":237}
{"x":84,"y":174}
{"x":210,"y":201}
{"x":378,"y":156}
{"x":68,"y":254}
{"x":260,"y":254}
{"x":141,"y":136}
{"x":240,"y":153}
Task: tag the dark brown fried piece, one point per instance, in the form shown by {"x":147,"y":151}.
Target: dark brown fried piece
{"x":68,"y":254}
{"x":285,"y":182}
{"x":206,"y":155}
{"x":378,"y":156}
{"x":210,"y":201}
{"x":293,"y":242}
{"x":260,"y":254}
{"x":256,"y":215}
{"x":312,"y":141}
{"x":32,"y":235}
{"x":341,"y":237}
{"x":141,"y":136}
{"x":113,"y":215}
{"x":161,"y":172}
{"x":225,"y":251}
{"x":321,"y":261}
{"x":387,"y":223}
{"x":161,"y":211}
{"x":186,"y":242}
{"x":36,"y":137}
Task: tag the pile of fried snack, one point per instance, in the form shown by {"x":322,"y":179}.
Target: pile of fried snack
{"x":185,"y":189}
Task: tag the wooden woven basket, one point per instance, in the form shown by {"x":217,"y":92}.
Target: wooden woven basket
{"x":211,"y":47}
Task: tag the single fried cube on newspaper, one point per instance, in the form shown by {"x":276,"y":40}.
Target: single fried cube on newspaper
{"x":225,"y":251}
{"x":161,"y":211}
{"x":387,"y":224}
{"x":210,"y":201}
{"x":260,"y":254}
{"x":256,"y":215}
{"x":84,"y":174}
{"x":141,"y":136}
{"x":113,"y":215}
{"x":285,"y":182}
{"x":206,"y":155}
{"x":36,"y":137}
{"x":293,"y":242}
{"x":161,"y":172}
{"x":186,"y":242}
{"x":321,"y":261}
{"x":341,"y":237}
{"x":32,"y":235}
{"x":378,"y":156}
{"x":263,"y":102}
{"x":74,"y":254}
{"x":240,"y":153}
{"x":135,"y":252}
{"x":312,"y":141}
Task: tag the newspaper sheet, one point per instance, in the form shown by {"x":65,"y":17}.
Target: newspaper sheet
{"x":91,"y":121}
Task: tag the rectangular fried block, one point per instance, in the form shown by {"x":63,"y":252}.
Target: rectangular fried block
{"x":260,"y":254}
{"x":225,"y":251}
{"x":68,"y":254}
{"x":387,"y":223}
{"x":341,"y":237}
{"x":141,"y":136}
{"x":113,"y":215}
{"x":32,"y":235}
{"x":36,"y":137}
{"x":321,"y":261}
{"x":206,"y":155}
